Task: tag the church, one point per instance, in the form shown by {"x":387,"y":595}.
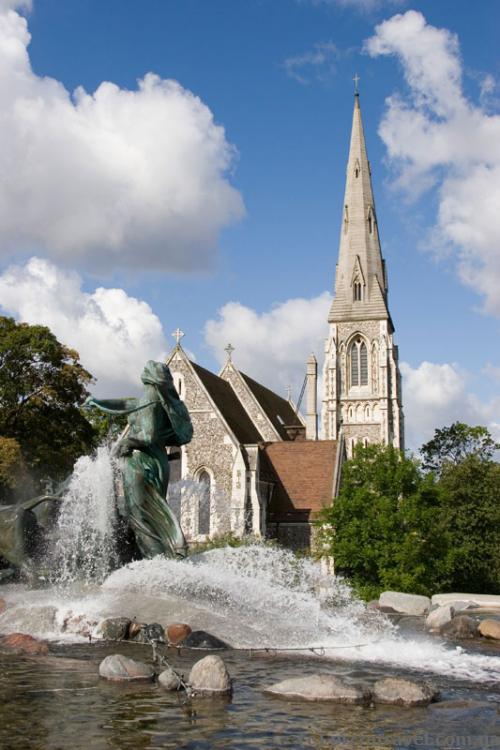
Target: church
{"x":255,"y":464}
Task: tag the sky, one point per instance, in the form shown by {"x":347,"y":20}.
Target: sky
{"x":181,"y":163}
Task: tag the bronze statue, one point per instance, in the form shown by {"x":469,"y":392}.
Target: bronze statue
{"x":155,"y":420}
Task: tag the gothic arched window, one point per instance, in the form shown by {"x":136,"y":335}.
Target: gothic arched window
{"x":357,"y":291}
{"x":359,"y":362}
{"x":204,"y":504}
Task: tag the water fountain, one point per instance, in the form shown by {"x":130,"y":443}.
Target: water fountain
{"x":261,"y":599}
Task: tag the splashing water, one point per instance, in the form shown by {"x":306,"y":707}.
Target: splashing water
{"x":84,"y":538}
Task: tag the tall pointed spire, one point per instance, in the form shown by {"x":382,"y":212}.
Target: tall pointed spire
{"x":360,"y":283}
{"x":362,"y":382}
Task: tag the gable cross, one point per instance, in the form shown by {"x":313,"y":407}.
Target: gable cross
{"x":229,"y":349}
{"x":178,"y":335}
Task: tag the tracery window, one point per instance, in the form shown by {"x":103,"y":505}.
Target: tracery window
{"x":357,"y":291}
{"x":359,"y":363}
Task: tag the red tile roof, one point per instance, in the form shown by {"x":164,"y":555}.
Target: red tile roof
{"x":303,"y":473}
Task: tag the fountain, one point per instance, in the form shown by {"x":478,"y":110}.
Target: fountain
{"x":261,"y":599}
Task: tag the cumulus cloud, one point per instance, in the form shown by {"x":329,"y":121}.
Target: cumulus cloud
{"x":114,"y":178}
{"x":438,"y":139}
{"x":272,"y":346}
{"x":319,"y":64}
{"x":436,"y":395}
{"x":115,"y":334}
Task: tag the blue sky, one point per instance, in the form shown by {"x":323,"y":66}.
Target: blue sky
{"x":186,"y":217}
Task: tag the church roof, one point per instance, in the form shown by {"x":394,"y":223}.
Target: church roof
{"x":229,"y":406}
{"x":360,"y":256}
{"x":278,"y":410}
{"x":304,"y":477}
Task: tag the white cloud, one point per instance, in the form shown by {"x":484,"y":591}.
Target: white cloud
{"x":112,"y":179}
{"x":114,"y":334}
{"x":272,"y":346}
{"x":436,"y":395}
{"x":320,"y":63}
{"x":437,"y":138}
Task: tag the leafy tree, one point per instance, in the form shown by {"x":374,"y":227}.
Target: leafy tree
{"x":385,"y":529}
{"x":451,"y":445}
{"x":471,"y":512}
{"x":42,"y":384}
{"x":13,"y":475}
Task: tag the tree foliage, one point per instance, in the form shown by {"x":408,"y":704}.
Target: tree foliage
{"x":394,"y":526}
{"x":451,"y":445}
{"x":384,"y":529}
{"x":42,"y":384}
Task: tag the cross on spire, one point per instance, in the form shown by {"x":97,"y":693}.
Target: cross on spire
{"x":289,"y":392}
{"x":229,"y":349}
{"x":356,"y":80}
{"x":178,"y":335}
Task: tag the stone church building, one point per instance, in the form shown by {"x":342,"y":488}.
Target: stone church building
{"x":255,"y":464}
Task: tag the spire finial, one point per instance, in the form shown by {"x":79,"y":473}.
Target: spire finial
{"x":356,"y":80}
{"x":229,"y":349}
{"x":289,"y":392}
{"x":178,"y":335}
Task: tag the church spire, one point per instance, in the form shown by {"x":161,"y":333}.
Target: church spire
{"x":360,"y":283}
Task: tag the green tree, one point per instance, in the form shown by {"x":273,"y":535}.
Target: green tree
{"x":13,"y":475}
{"x":385,"y":529}
{"x":42,"y":384}
{"x":451,"y":445}
{"x":471,"y":512}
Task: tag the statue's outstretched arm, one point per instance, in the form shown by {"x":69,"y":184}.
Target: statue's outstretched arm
{"x":112,"y":405}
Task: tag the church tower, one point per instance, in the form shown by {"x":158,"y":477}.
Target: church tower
{"x":362,"y":383}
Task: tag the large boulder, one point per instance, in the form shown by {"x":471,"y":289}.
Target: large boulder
{"x":406,"y":604}
{"x":462,"y":626}
{"x":177,"y":632}
{"x":209,"y":676}
{"x":113,"y":629}
{"x":482,"y":600}
{"x":320,"y":687}
{"x":203,"y":640}
{"x":439,"y":617}
{"x":401,"y":692}
{"x":119,"y":668}
{"x":490,"y":629}
{"x":21,"y":643}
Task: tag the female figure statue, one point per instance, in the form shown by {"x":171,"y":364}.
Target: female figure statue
{"x":155,"y":420}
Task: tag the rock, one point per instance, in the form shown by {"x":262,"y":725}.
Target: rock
{"x":150,"y":633}
{"x":485,"y":600}
{"x":406,"y":604}
{"x":490,"y":629}
{"x":113,"y":629}
{"x":461,"y":626}
{"x":203,"y":640}
{"x":177,"y":632}
{"x":134,"y":629}
{"x":21,"y":643}
{"x":320,"y":687}
{"x":3,"y":606}
{"x":209,"y":676}
{"x":373,"y":604}
{"x":439,"y":617}
{"x":169,"y":680}
{"x":119,"y":668}
{"x":79,"y":624}
{"x":402,"y":692}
